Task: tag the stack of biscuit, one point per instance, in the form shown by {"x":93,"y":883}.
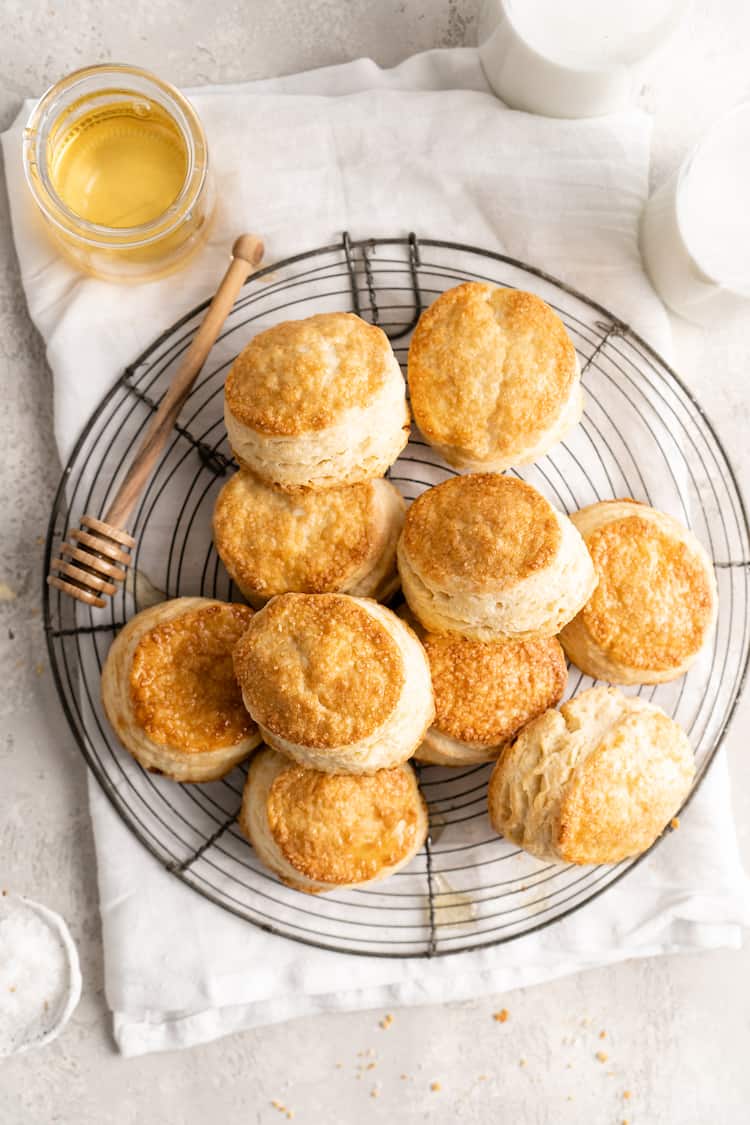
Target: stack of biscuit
{"x":335,"y":684}
{"x":499,"y":588}
{"x":316,"y":414}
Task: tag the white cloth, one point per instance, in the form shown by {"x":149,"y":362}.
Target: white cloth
{"x":423,"y":147}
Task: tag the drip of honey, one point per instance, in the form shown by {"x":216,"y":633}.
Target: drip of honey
{"x":121,"y":164}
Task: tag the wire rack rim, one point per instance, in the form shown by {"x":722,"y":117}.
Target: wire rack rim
{"x":613,"y":326}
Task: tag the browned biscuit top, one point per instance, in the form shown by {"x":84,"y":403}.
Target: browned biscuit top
{"x":183,"y":689}
{"x":481,"y":531}
{"x":620,"y":799}
{"x":318,"y":670}
{"x":593,"y":782}
{"x":486,"y":691}
{"x":489,"y":369}
{"x":304,"y":375}
{"x":654,"y":600}
{"x":273,"y":541}
{"x":341,"y":828}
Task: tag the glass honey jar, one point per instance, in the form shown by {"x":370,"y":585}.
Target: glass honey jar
{"x":117,"y":163}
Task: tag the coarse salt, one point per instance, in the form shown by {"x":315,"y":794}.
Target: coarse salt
{"x":40,"y":980}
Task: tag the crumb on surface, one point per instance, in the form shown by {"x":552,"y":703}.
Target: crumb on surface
{"x":501,"y":1016}
{"x":626,"y":1094}
{"x":523,"y":1061}
{"x":602,"y":1056}
{"x":371,"y":1066}
{"x":482,"y":1077}
{"x":39,"y":669}
{"x":602,"y":1035}
{"x":374,"y":1092}
{"x":435,"y":1086}
{"x":570,"y":1097}
{"x":404,"y":1077}
{"x":674,"y":823}
{"x":585,"y":1021}
{"x":386,"y":1021}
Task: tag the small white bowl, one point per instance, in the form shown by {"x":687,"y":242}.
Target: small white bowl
{"x":40,"y":976}
{"x":528,"y":74}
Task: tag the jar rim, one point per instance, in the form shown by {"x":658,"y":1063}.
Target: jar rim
{"x":44,"y":114}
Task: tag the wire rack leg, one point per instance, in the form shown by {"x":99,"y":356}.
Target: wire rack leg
{"x":432,"y":937}
{"x":614,"y":328}
{"x":211,"y":458}
{"x":346,"y":242}
{"x":432,"y":940}
{"x":367,"y":249}
{"x":184,"y":864}
{"x":370,"y":280}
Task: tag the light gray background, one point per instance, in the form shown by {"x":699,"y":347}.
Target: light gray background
{"x":678,"y":1028}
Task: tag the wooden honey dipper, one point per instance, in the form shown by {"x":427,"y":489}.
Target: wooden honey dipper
{"x":99,"y":551}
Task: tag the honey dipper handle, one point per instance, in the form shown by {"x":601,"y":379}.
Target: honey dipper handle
{"x":247,"y":253}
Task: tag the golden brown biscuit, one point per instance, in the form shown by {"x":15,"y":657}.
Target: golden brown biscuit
{"x":337,"y":683}
{"x":169,"y":689}
{"x":494,"y":377}
{"x":485,"y":692}
{"x":487,"y":556}
{"x":594,"y":782}
{"x":656,"y":600}
{"x":323,"y":541}
{"x":318,"y":402}
{"x":320,"y":831}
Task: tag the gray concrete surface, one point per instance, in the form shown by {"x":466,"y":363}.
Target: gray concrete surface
{"x":678,"y":1029}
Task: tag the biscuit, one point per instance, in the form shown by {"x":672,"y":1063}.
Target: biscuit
{"x":321,"y":831}
{"x":487,"y":556}
{"x":322,"y":541}
{"x":338,"y":683}
{"x":485,"y":692}
{"x":170,"y":693}
{"x":317,"y":402}
{"x":656,"y":600}
{"x":595,"y":782}
{"x":494,"y":377}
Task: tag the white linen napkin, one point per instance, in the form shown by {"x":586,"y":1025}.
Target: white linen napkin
{"x":425,"y":147}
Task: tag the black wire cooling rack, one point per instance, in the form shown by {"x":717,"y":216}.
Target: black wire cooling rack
{"x":642,"y":435}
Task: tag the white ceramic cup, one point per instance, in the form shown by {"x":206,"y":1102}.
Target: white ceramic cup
{"x":571,"y":58}
{"x":695,"y":229}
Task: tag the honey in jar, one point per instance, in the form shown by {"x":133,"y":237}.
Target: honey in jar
{"x":117,"y":162}
{"x":119,"y":166}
